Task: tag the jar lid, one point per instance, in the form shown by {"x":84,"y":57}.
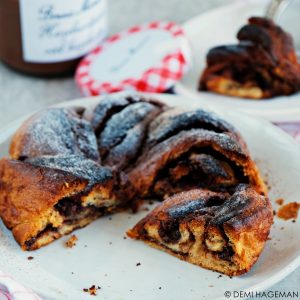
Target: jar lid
{"x":146,"y":58}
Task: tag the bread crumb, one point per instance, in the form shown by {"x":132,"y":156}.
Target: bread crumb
{"x":288,"y":211}
{"x":71,"y":242}
{"x":280,"y":201}
{"x":92,"y":290}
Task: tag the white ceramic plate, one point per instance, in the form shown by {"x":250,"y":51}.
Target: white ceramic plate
{"x":219,"y":27}
{"x":102,"y":257}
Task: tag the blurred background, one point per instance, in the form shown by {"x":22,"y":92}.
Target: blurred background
{"x":22,"y":94}
{"x":123,"y":14}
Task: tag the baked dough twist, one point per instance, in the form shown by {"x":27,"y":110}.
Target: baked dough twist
{"x":263,"y":65}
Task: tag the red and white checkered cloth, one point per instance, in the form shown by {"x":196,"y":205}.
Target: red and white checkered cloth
{"x":156,"y":79}
{"x":10,"y":289}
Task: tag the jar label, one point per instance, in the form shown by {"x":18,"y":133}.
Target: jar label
{"x":56,"y":31}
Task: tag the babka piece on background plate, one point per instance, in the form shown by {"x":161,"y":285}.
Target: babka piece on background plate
{"x":260,"y":65}
{"x":69,"y":166}
{"x":263,"y":65}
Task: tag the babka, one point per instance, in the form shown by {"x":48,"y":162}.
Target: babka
{"x":263,"y":65}
{"x":217,"y":231}
{"x":43,"y":198}
{"x":69,"y":166}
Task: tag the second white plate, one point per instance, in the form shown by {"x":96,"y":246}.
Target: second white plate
{"x":219,"y":27}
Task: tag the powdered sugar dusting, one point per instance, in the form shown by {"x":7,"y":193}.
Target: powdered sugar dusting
{"x":75,"y":165}
{"x":58,"y":131}
{"x":119,"y":124}
{"x":177,"y":119}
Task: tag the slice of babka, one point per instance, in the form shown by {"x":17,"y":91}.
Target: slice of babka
{"x":217,"y":231}
{"x":46,"y":197}
{"x":263,"y":65}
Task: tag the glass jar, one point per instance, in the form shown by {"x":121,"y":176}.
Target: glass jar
{"x":48,"y":37}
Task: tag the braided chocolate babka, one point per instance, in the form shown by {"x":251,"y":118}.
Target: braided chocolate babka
{"x":263,"y":65}
{"x":69,"y":166}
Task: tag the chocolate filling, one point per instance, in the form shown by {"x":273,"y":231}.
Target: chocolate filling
{"x":226,"y":254}
{"x":194,"y":177}
{"x":72,"y":211}
{"x":29,"y":243}
{"x":169,"y":232}
{"x":69,"y":207}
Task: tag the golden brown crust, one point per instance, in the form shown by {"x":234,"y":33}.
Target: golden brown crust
{"x":214,"y":230}
{"x":55,"y":131}
{"x":29,"y":194}
{"x":30,"y":191}
{"x":263,"y":65}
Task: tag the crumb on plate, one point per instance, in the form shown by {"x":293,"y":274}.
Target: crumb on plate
{"x":71,"y":242}
{"x":288,"y":211}
{"x":92,"y":290}
{"x":280,"y":201}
